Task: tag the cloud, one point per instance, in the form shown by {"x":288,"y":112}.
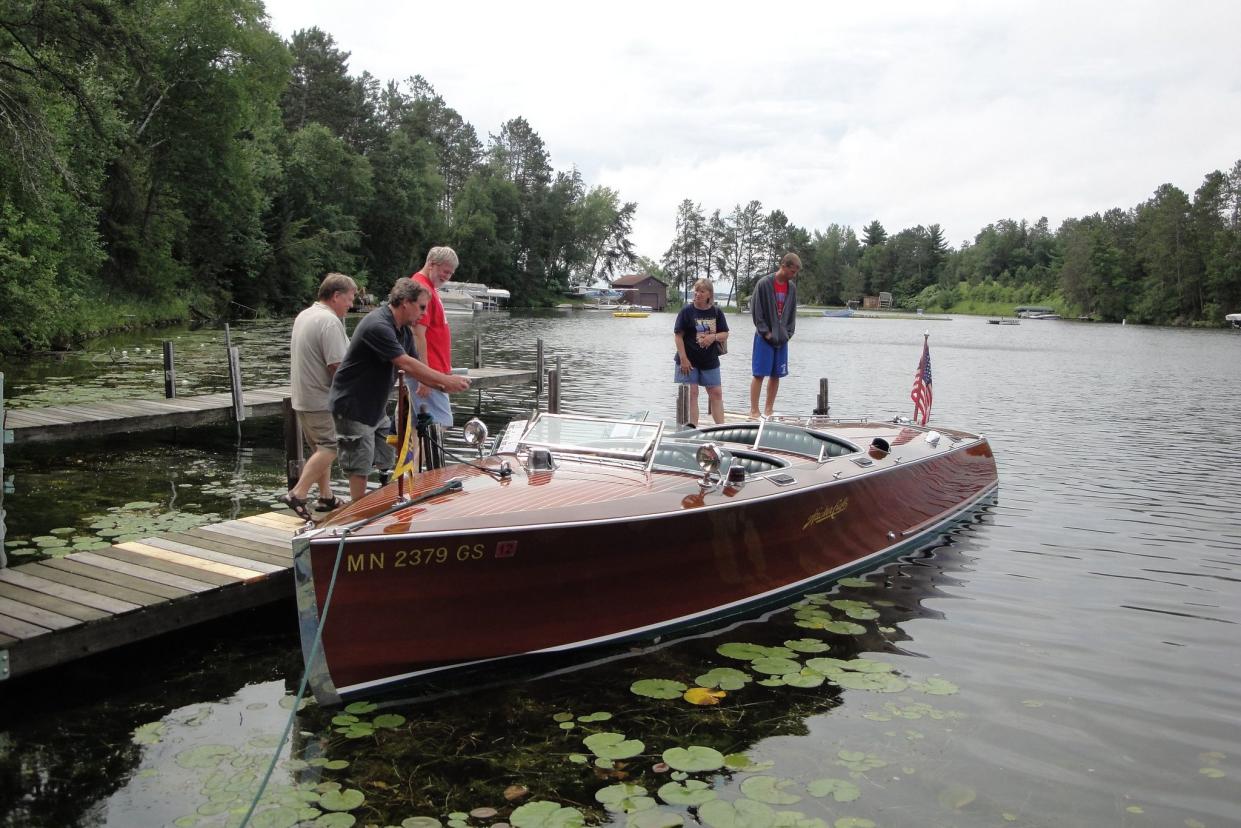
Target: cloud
{"x":957,"y":113}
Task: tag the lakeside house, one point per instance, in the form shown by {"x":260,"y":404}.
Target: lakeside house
{"x":644,"y":290}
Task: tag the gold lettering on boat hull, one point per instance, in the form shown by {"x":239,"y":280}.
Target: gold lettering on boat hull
{"x":826,"y":513}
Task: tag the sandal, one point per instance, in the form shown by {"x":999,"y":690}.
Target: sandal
{"x":325,"y":504}
{"x":297,"y":505}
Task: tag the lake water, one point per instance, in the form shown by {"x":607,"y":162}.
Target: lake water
{"x":1069,"y":658}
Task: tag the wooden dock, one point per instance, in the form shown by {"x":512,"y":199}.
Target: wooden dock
{"x":61,"y":609}
{"x":31,"y":425}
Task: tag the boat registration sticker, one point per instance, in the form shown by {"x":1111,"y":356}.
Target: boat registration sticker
{"x":506,"y":549}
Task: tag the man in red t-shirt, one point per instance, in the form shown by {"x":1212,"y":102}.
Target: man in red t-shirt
{"x":432,"y":338}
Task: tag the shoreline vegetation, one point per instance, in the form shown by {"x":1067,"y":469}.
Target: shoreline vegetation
{"x":180,"y":161}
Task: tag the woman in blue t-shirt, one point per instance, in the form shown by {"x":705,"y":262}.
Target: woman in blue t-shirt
{"x":701,"y":332}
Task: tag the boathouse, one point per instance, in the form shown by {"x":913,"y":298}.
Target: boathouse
{"x":641,"y":289}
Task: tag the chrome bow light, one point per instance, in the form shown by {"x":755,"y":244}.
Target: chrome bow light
{"x":709,"y":457}
{"x":475,"y":432}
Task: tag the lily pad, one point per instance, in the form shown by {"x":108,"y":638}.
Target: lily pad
{"x":149,"y":734}
{"x":658,"y":688}
{"x":624,"y":798}
{"x":655,"y":818}
{"x":361,"y":708}
{"x":345,"y":800}
{"x":841,"y":790}
{"x":694,"y":759}
{"x":744,"y":813}
{"x":750,"y":652}
{"x":337,"y":819}
{"x":775,"y":666}
{"x":691,"y":793}
{"x":389,"y":721}
{"x":936,"y":687}
{"x":204,"y":757}
{"x":856,"y":583}
{"x":600,"y":716}
{"x":807,"y":645}
{"x":769,"y":789}
{"x":613,"y":746}
{"x":725,"y":678}
{"x":543,"y":814}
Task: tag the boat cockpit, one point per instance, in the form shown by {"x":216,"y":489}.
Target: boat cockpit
{"x":547,"y":438}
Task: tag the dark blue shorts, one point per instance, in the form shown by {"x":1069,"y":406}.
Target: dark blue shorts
{"x":768,"y":360}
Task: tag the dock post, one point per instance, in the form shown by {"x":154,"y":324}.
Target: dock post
{"x":553,"y":391}
{"x":6,"y":436}
{"x":682,"y":405}
{"x":234,"y":379}
{"x":538,"y":371}
{"x":478,"y":351}
{"x":293,"y":458}
{"x":170,"y":372}
{"x":821,"y":405}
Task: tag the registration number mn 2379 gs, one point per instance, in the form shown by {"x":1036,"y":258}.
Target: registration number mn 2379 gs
{"x":428,"y":556}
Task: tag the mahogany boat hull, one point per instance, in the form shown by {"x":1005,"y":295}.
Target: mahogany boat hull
{"x":425,"y":594}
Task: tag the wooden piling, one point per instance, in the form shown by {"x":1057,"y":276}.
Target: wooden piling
{"x":683,"y":417}
{"x":822,"y":407}
{"x":553,"y":391}
{"x":294,"y":460}
{"x":170,"y":371}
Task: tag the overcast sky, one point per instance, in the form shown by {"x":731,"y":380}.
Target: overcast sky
{"x":957,"y":113}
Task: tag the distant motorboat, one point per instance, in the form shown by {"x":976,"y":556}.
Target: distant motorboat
{"x":632,"y":311}
{"x":838,"y":313}
{"x":471,"y":297}
{"x":1234,"y":319}
{"x":1004,"y":321}
{"x":1035,"y":312}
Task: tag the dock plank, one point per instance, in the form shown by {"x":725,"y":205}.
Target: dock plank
{"x":275,"y":520}
{"x":125,"y":563}
{"x":284,"y":550}
{"x":134,"y":584}
{"x":19,"y":630}
{"x":103,"y":590}
{"x":204,"y":565}
{"x":28,"y":580}
{"x":35,"y":615}
{"x":69,"y":609}
{"x":218,"y":556}
{"x":220,"y":543}
{"x":250,"y":531}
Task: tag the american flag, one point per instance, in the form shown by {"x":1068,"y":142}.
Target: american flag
{"x":921,"y":393}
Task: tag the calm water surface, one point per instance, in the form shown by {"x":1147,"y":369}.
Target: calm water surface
{"x":1087,"y":621}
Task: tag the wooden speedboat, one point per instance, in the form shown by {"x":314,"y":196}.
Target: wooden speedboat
{"x":571,"y":531}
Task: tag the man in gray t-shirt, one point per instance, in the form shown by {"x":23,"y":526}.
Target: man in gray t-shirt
{"x":382,"y":344}
{"x":317,"y":347}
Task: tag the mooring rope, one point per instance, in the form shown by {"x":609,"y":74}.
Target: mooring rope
{"x":450,"y":486}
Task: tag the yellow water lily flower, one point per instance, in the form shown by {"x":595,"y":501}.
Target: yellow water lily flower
{"x":701,"y":695}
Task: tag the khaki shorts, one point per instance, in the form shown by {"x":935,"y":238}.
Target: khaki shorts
{"x":318,"y":429}
{"x":363,"y":447}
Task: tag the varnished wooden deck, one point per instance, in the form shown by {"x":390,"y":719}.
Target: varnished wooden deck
{"x":58,"y":422}
{"x":61,"y":609}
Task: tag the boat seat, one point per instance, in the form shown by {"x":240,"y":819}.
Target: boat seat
{"x":776,"y":436}
{"x":730,"y":434}
{"x":684,"y":456}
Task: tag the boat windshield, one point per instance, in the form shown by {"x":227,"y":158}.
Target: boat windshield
{"x":569,"y":433}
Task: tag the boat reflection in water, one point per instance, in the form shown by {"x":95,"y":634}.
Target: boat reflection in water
{"x":573,"y":532}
